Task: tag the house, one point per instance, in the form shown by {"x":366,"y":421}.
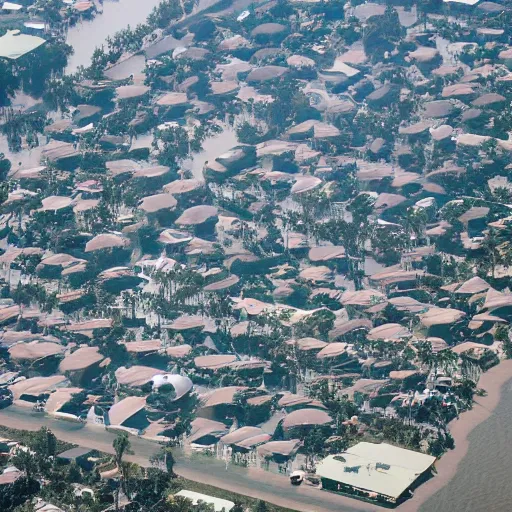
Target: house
{"x":381,"y":472}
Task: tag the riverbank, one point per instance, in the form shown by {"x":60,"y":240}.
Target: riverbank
{"x":493,"y":382}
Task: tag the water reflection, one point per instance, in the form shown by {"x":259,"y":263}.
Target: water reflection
{"x":86,"y":36}
{"x":212,"y":148}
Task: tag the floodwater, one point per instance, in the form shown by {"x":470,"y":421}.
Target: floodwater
{"x":482,"y":481}
{"x":86,"y":36}
{"x":212,"y":148}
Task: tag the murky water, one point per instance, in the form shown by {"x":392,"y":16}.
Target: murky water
{"x":482,"y":482}
{"x":212,"y":148}
{"x":86,"y":36}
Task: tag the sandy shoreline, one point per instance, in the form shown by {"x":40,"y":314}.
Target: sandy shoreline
{"x":493,"y":382}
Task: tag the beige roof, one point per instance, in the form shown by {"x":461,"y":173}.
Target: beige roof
{"x":222,"y":284}
{"x":469,"y":345}
{"x":495,"y":299}
{"x":197,"y":215}
{"x":241,"y":434}
{"x":283,"y":448}
{"x":332,"y":350}
{"x":151,"y":204}
{"x":441,"y":132}
{"x":125,"y":409}
{"x":300,"y":61}
{"x":183,"y":186}
{"x":82,"y":358}
{"x":251,"y":306}
{"x":320,"y":129}
{"x":437,"y":344}
{"x":305,"y":184}
{"x":362,"y":297}
{"x":117,"y":167}
{"x":201,"y":427}
{"x":386,"y":200}
{"x":474,"y":285}
{"x":215,"y":362}
{"x":307,"y":344}
{"x":326,"y":253}
{"x":365,"y":386}
{"x":406,"y":303}
{"x":389,"y":332}
{"x":488,"y":99}
{"x":35,"y":350}
{"x":293,"y":400}
{"x":441,"y":316}
{"x":424,"y":54}
{"x":178,"y":351}
{"x":89,"y":325}
{"x":343,"y":328}
{"x":140,"y":347}
{"x":398,"y":469}
{"x":173,"y":236}
{"x":457,"y":90}
{"x":225,"y":87}
{"x":36,"y":385}
{"x":306,"y":417}
{"x":471,"y":139}
{"x":267,"y":29}
{"x":58,"y":150}
{"x":316,"y":274}
{"x":54,"y":203}
{"x":61,"y":259}
{"x":173,"y":99}
{"x":222,"y":396}
{"x":125,"y":92}
{"x":394,"y":274}
{"x":414,"y":129}
{"x":185,"y":322}
{"x":136,"y":376}
{"x":151,"y":172}
{"x":106,"y":241}
{"x":59,"y":398}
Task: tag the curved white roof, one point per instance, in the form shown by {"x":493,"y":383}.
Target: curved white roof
{"x":181,"y":384}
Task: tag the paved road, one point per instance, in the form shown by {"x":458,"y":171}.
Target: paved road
{"x":248,"y":481}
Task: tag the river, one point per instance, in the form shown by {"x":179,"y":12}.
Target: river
{"x":482,"y":481}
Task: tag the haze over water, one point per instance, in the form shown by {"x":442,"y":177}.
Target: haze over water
{"x":482,"y":482}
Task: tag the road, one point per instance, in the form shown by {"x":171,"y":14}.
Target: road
{"x":251,"y":482}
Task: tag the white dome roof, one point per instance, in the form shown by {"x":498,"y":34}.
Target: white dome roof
{"x":181,"y":384}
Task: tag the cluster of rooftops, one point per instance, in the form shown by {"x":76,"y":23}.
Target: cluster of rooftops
{"x":197,"y":301}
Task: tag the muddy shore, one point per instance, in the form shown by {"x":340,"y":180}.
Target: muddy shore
{"x":492,"y":382}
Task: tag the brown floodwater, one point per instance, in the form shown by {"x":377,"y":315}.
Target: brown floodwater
{"x":482,"y":481}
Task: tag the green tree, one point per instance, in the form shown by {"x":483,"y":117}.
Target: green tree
{"x":121,"y":446}
{"x":9,"y":82}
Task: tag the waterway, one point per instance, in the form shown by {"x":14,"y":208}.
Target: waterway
{"x":482,"y":481}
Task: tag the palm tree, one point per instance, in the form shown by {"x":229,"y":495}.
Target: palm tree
{"x":447,"y":360}
{"x":121,"y":446}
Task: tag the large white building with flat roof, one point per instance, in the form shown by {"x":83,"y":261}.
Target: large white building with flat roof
{"x":377,"y":471}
